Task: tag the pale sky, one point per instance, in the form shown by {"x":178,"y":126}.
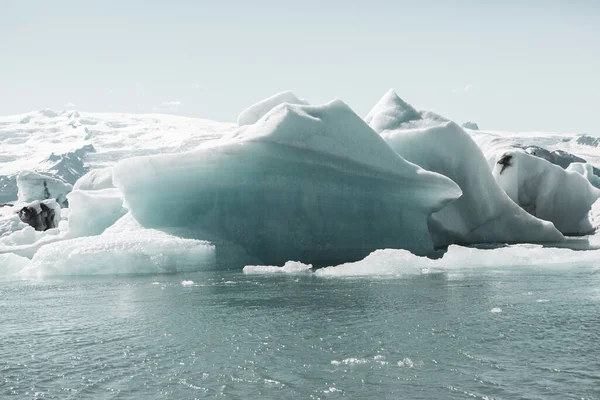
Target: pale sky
{"x":514,"y":65}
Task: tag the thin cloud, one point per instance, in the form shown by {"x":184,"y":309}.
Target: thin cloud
{"x":69,"y":105}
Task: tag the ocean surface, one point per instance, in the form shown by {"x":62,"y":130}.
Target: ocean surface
{"x":513,"y":333}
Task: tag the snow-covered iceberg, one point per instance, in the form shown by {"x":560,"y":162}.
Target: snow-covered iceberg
{"x":256,"y":111}
{"x":546,"y":190}
{"x":311,"y":183}
{"x":484,"y":213}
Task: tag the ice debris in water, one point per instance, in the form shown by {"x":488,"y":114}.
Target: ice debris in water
{"x":496,"y":310}
{"x":290,"y":267}
{"x":187,"y":283}
{"x":406,"y":362}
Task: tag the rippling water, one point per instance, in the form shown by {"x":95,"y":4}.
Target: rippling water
{"x":504,"y":334}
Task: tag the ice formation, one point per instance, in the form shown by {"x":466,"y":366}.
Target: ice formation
{"x":291,"y":181}
{"x":96,"y":179}
{"x":39,"y":186}
{"x":546,"y":190}
{"x":93,"y":211}
{"x":484,"y":213}
{"x":311,"y":183}
{"x":290,"y":267}
{"x":255,"y":112}
{"x":392,"y":113}
{"x":140,"y":251}
{"x":462,"y":259}
{"x":587,"y":170}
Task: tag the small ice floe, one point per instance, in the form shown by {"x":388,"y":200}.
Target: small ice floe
{"x":496,"y":310}
{"x":290,"y":267}
{"x":542,"y":300}
{"x":332,"y":390}
{"x":187,"y":283}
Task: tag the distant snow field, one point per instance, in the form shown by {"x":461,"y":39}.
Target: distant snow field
{"x":290,"y":181}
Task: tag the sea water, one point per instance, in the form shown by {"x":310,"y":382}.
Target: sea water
{"x":514,"y":333}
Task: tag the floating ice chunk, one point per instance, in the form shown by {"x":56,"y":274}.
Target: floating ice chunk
{"x":290,"y":267}
{"x":546,"y":190}
{"x":187,"y":283}
{"x":484,"y":213}
{"x":256,"y":111}
{"x":496,"y":310}
{"x":402,"y":263}
{"x":37,"y":186}
{"x":92,"y":211}
{"x":144,"y":251}
{"x":381,"y":262}
{"x":11,"y":264}
{"x":96,"y":179}
{"x":307,"y":183}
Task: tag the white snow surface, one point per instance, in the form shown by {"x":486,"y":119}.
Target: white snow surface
{"x":311,"y":183}
{"x":484,"y":213}
{"x":255,"y":112}
{"x":546,"y":190}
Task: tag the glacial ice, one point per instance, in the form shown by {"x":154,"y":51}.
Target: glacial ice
{"x":311,"y":183}
{"x":92,"y":211}
{"x":255,"y":112}
{"x":587,"y":170}
{"x":292,"y":181}
{"x":135,"y":251}
{"x":546,"y":190}
{"x":484,"y":213}
{"x":96,"y":179}
{"x":40,"y":186}
{"x":389,"y":262}
{"x":290,"y":267}
{"x":11,"y":264}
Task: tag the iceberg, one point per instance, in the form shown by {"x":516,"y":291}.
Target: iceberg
{"x":41,"y":186}
{"x":255,"y":112}
{"x":310,"y":183}
{"x":484,"y":213}
{"x":546,"y":190}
